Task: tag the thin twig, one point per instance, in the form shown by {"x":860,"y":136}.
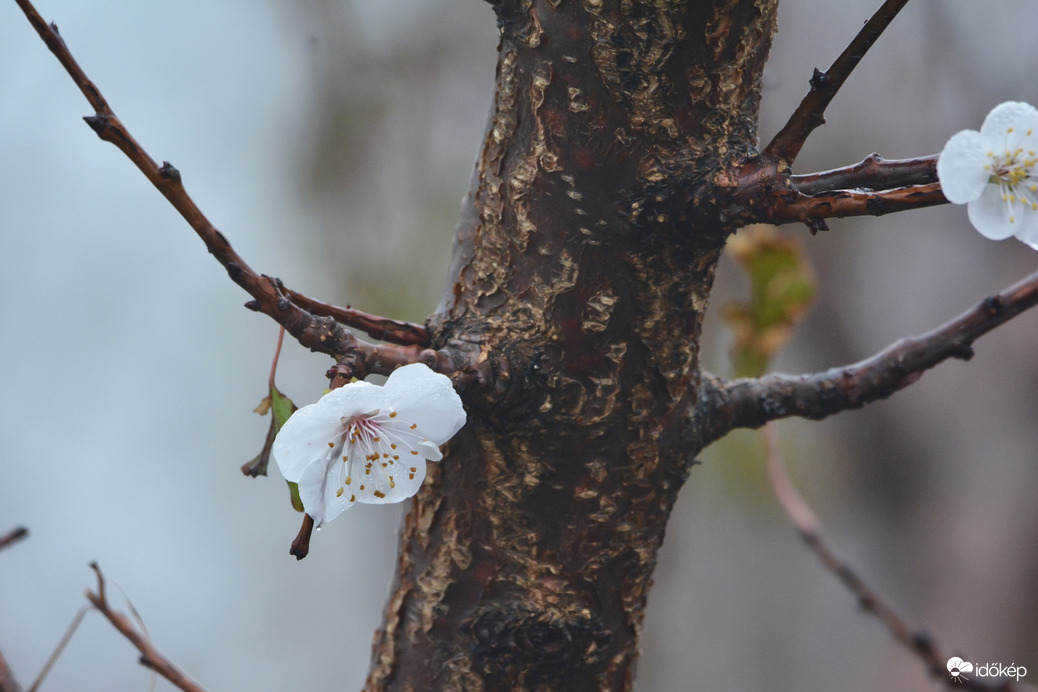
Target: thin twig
{"x":7,"y":680}
{"x":322,"y":334}
{"x":393,"y":331}
{"x":750,"y":403}
{"x":810,"y":114}
{"x":919,"y":642}
{"x":872,"y":173}
{"x":13,"y":536}
{"x":60,"y":647}
{"x":151,"y":657}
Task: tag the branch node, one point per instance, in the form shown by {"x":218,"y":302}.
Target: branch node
{"x":815,"y":225}
{"x":98,"y":122}
{"x":875,"y":205}
{"x":962,"y":352}
{"x":234,"y":271}
{"x":994,"y":305}
{"x":923,"y":641}
{"x":429,"y":357}
{"x":169,"y":172}
{"x":818,"y":79}
{"x":253,"y":305}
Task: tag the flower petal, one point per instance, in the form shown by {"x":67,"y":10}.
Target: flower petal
{"x":337,"y":496}
{"x":427,"y":399}
{"x":1029,"y":233}
{"x":1003,"y":118}
{"x":353,"y":399}
{"x":394,"y":482}
{"x":303,"y":440}
{"x":395,"y":428}
{"x":961,"y":167}
{"x":990,"y":214}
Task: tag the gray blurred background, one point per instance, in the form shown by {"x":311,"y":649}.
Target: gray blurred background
{"x":332,"y":143}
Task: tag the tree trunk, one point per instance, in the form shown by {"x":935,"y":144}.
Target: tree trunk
{"x":581,"y":272}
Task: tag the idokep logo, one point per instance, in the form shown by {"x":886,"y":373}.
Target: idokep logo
{"x":958,"y":669}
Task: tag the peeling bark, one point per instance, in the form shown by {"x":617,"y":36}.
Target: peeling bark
{"x":581,"y":272}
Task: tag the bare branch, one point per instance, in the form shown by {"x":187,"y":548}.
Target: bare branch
{"x":73,"y":626}
{"x":919,"y":642}
{"x":813,"y":210}
{"x":810,"y":114}
{"x":7,"y":681}
{"x":872,"y":173}
{"x":750,"y":403}
{"x":13,"y":536}
{"x":393,"y":331}
{"x":150,"y":656}
{"x":322,"y":334}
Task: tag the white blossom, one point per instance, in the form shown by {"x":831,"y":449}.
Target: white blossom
{"x":995,"y":173}
{"x":368,"y":443}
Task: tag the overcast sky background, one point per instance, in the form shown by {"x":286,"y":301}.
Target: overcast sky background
{"x":332,"y":143}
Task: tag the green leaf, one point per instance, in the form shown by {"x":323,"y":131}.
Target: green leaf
{"x":293,"y":491}
{"x":280,"y":407}
{"x":782,"y":287}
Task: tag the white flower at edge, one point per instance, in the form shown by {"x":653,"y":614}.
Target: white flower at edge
{"x":995,"y":173}
{"x":368,"y":443}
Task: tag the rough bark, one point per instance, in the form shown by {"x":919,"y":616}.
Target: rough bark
{"x":581,"y":272}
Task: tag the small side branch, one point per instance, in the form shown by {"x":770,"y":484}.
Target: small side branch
{"x":8,"y":683}
{"x":810,"y":114}
{"x":393,"y":331}
{"x":813,"y":210}
{"x":7,"y":679}
{"x":919,"y":642}
{"x":765,"y":192}
{"x":872,"y":173}
{"x":65,"y":639}
{"x":750,"y":403}
{"x":150,"y":656}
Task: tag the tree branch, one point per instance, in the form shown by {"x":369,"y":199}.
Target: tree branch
{"x":808,"y":527}
{"x":750,"y":403}
{"x":73,"y":626}
{"x":813,"y":210}
{"x":393,"y":331}
{"x":810,"y":114}
{"x":8,"y":683}
{"x":150,"y":656}
{"x":872,"y":173}
{"x":7,"y":680}
{"x":322,"y":334}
